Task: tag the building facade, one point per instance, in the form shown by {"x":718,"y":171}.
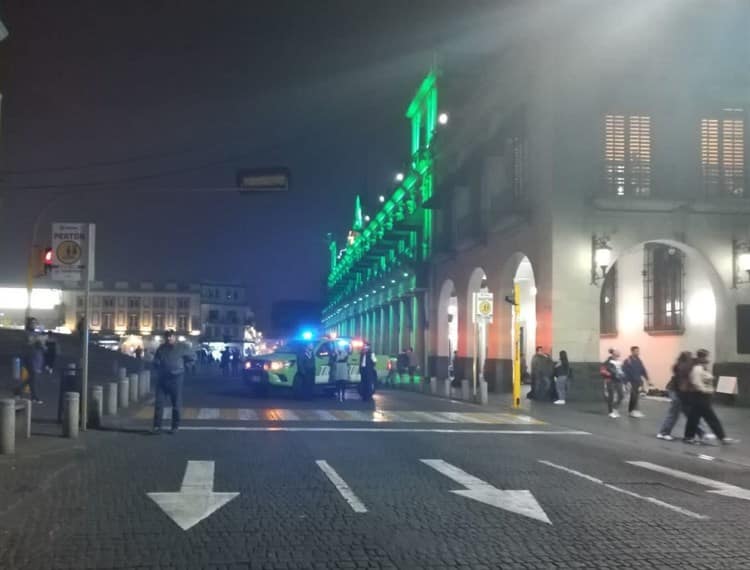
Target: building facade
{"x":224,"y":312}
{"x":604,"y":172}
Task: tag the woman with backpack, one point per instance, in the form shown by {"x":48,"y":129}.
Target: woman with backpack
{"x":611,"y":371}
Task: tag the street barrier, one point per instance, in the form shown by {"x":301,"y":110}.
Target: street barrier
{"x":446,"y":388}
{"x":16,"y":369}
{"x":96,"y":411}
{"x":7,"y":426}
{"x":123,"y":393}
{"x":134,"y":387}
{"x":111,"y":398}
{"x":465,"y":390}
{"x":483,"y":397}
{"x":122,"y":373}
{"x":433,"y":385}
{"x":71,"y":417}
{"x":27,"y":417}
{"x":142,"y":387}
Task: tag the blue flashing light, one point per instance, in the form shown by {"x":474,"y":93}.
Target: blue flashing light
{"x":307,"y":335}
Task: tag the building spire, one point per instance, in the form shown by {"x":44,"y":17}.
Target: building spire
{"x":358,"y":224}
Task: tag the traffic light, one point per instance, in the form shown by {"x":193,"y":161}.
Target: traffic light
{"x":47,"y":260}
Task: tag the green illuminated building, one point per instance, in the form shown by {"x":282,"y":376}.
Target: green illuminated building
{"x":378,"y":283}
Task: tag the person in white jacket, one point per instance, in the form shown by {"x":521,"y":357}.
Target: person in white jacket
{"x":697,"y":391}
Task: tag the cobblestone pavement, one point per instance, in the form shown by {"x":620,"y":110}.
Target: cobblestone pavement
{"x":290,"y":513}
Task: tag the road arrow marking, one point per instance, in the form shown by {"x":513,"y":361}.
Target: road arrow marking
{"x":717,"y":487}
{"x":196,"y":499}
{"x":519,"y":502}
{"x":341,"y":486}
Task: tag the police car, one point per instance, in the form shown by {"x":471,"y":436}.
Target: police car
{"x":278,"y":370}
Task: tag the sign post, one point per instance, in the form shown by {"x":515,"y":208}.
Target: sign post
{"x":73,"y":260}
{"x":483,"y":312}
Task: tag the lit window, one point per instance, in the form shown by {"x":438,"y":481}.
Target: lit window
{"x":723,"y":154}
{"x":627,"y":154}
{"x":664,"y":288}
{"x":133,"y":322}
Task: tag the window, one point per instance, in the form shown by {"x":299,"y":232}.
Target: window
{"x":108,"y":302}
{"x":182,"y":322}
{"x":96,"y":301}
{"x":120,"y":319}
{"x":134,"y":303}
{"x":213,"y":315}
{"x":627,"y":154}
{"x":160,"y":302}
{"x":608,"y":304}
{"x":134,"y":321}
{"x":108,"y":321}
{"x":232,"y":317}
{"x":170,"y":302}
{"x":664,"y":288}
{"x":183,"y":302}
{"x":158,"y":322}
{"x":723,"y":154}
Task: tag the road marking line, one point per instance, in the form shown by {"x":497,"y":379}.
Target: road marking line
{"x":287,"y":416}
{"x":208,"y":414}
{"x":270,"y":415}
{"x":325,"y":415}
{"x":646,"y":498}
{"x":432,"y":417}
{"x":247,"y":415}
{"x":718,"y":487}
{"x":228,"y":414}
{"x":167,"y":415}
{"x":341,"y":486}
{"x":386,"y":430}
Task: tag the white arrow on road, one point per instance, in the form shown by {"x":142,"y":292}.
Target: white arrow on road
{"x":519,"y":502}
{"x":196,"y":499}
{"x":718,"y":487}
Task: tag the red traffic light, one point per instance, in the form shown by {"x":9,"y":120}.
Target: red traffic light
{"x":48,"y":256}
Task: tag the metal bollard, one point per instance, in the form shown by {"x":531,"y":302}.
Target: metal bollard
{"x":465,"y":390}
{"x":71,"y":411}
{"x":96,"y":411}
{"x":482,"y":396}
{"x":123,"y":393}
{"x":134,"y":387}
{"x":142,"y":384}
{"x":433,"y":385}
{"x":7,"y":426}
{"x":148,"y":381}
{"x":122,"y":374}
{"x":446,"y":388}
{"x":27,"y":417}
{"x":111,"y":398}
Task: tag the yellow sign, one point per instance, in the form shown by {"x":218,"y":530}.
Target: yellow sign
{"x":484,"y":308}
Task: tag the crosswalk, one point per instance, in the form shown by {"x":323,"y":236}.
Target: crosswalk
{"x":369,"y":416}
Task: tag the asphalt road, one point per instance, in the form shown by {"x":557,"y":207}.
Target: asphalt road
{"x":408,"y":481}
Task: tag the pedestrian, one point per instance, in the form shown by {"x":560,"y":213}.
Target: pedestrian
{"x":452,"y":365}
{"x":169,"y":364}
{"x":696,"y":391}
{"x":340,"y":369}
{"x":402,"y":363}
{"x":413,"y":364}
{"x":224,"y":364}
{"x":367,"y":374}
{"x":138,"y":358}
{"x":611,"y":371}
{"x":541,"y":375}
{"x":562,"y":374}
{"x":635,"y":374}
{"x":680,"y":370}
{"x":34,"y":364}
{"x":306,"y":370}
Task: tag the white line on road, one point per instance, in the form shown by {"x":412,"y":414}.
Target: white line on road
{"x":385,"y":430}
{"x":718,"y":487}
{"x":341,"y":486}
{"x":651,"y":500}
{"x":325,"y":415}
{"x":208,"y":414}
{"x":247,"y":415}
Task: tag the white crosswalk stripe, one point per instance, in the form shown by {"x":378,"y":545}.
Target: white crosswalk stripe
{"x":208,"y":414}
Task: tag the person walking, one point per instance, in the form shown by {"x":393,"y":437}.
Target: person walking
{"x":402,"y":364}
{"x":611,"y":371}
{"x":541,"y":375}
{"x":680,"y":370}
{"x":635,"y":374}
{"x":169,"y":364}
{"x":340,"y":370}
{"x":696,"y":391}
{"x":306,"y":369}
{"x":562,"y":374}
{"x":413,"y":364}
{"x":367,"y":374}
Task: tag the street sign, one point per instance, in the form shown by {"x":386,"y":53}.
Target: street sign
{"x":484,"y":306}
{"x":72,"y":251}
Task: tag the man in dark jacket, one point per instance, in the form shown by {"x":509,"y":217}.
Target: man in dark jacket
{"x":635,"y":373}
{"x":306,"y":370}
{"x":169,"y":366}
{"x":542,"y":367}
{"x":367,"y":374}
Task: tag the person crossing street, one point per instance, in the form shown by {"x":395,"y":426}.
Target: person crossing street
{"x":169,"y":365}
{"x":635,"y":374}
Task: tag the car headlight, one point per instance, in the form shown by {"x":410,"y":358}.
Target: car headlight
{"x":276,"y":365}
{"x":248,"y":365}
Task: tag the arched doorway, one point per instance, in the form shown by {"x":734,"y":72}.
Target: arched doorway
{"x":524,"y":277}
{"x":664,"y":297}
{"x":447,"y":320}
{"x":477,"y":282}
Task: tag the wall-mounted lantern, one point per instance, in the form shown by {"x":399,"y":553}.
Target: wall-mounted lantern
{"x":601,"y":257}
{"x":740,"y":262}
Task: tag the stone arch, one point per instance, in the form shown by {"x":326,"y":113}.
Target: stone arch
{"x":477,"y":279}
{"x":447,"y":319}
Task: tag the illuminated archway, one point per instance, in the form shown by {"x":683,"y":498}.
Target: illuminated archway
{"x":524,"y":277}
{"x":447,"y":320}
{"x":477,"y":281}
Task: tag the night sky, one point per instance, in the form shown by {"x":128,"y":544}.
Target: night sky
{"x":147,"y":95}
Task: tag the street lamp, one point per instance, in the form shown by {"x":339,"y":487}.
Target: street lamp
{"x":381,"y":198}
{"x":443,"y":118}
{"x":601,"y":257}
{"x":399,"y":177}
